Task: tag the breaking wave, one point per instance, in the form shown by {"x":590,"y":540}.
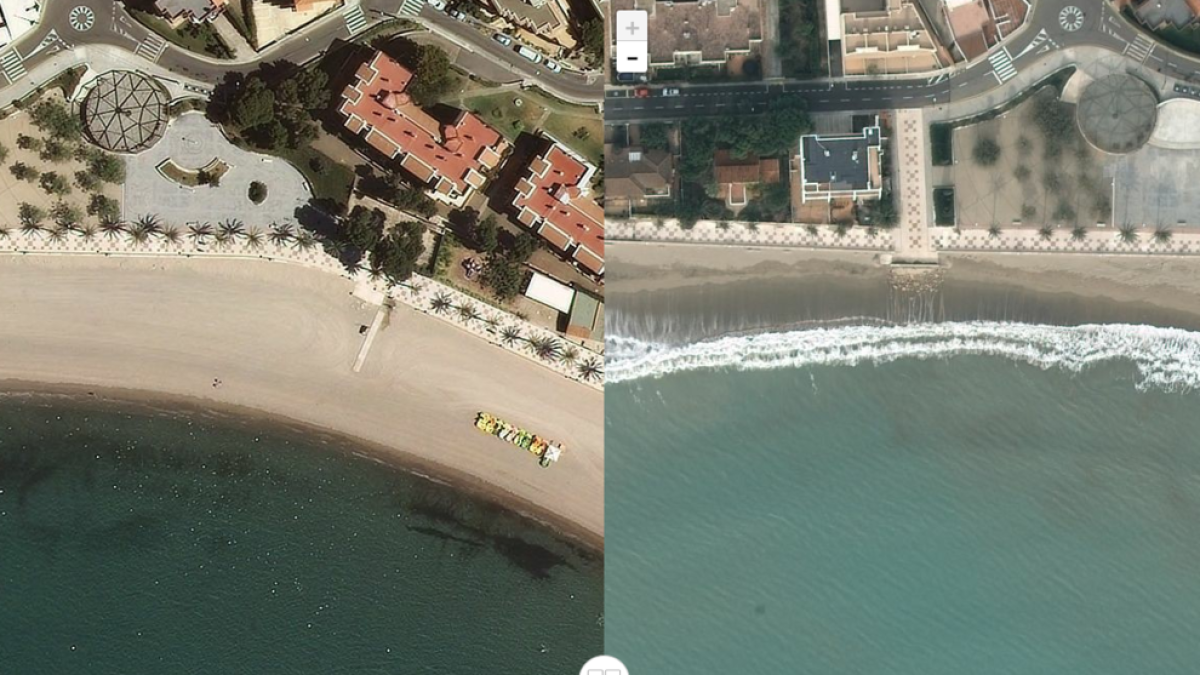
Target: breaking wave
{"x":1165,"y":358}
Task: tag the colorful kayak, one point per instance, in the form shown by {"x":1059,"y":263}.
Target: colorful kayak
{"x":546,"y":451}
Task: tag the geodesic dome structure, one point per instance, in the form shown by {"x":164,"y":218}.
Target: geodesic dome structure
{"x":125,"y":112}
{"x":1117,"y":113}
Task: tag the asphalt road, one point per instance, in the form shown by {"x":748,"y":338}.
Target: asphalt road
{"x":1051,"y":26}
{"x":106,"y":22}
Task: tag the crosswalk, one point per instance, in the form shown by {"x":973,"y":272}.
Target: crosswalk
{"x":1140,"y":48}
{"x":14,"y":69}
{"x":151,"y":48}
{"x":1002,"y":66}
{"x":356,"y":20}
{"x":411,"y":7}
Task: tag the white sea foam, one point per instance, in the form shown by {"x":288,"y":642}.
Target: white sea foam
{"x":1165,"y":358}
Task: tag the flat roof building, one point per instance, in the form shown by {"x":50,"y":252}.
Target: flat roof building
{"x":196,"y":11}
{"x":846,"y":166}
{"x":451,"y":158}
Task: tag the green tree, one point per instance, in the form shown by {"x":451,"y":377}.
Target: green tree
{"x":57,"y":120}
{"x":65,"y":214}
{"x":55,"y":151}
{"x":432,"y":75}
{"x":487,"y":235}
{"x":396,"y":254}
{"x":364,"y":227}
{"x":54,"y":184}
{"x":108,"y":168}
{"x":104,"y":208}
{"x":591,"y":41}
{"x":26,"y":142}
{"x":86,"y":181}
{"x":986,"y":152}
{"x":30,"y":215}
{"x":523,"y":247}
{"x":22,"y":171}
{"x":253,"y":103}
{"x":654,"y":136}
{"x":257,"y":192}
{"x":503,"y":276}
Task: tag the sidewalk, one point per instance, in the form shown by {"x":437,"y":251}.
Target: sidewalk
{"x":101,"y":58}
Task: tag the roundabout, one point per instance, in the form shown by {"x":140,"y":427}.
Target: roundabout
{"x":82,"y":18}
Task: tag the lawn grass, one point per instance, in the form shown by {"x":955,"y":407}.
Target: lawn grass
{"x":502,"y":112}
{"x":333,"y":184}
{"x":200,"y":38}
{"x":566,"y":127}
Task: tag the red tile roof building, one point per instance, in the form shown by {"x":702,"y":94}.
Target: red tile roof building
{"x":553,"y":200}
{"x":450,"y":158}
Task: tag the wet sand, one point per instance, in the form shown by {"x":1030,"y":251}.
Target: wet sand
{"x":685,"y":292}
{"x":280,"y":341}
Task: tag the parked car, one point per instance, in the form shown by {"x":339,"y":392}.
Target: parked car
{"x":641,"y":92}
{"x":458,"y":15}
{"x":554,"y":67}
{"x":439,"y":5}
{"x":502,"y":39}
{"x":529,"y":54}
{"x":670,"y":91}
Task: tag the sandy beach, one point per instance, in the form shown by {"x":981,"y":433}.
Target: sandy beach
{"x":739,"y":288}
{"x":282,"y":341}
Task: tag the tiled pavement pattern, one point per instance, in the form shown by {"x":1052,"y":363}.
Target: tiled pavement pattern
{"x":1098,"y":240}
{"x":766,"y":234}
{"x":912,"y":195}
{"x":418,"y":293}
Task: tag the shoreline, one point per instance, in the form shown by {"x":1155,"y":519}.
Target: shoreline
{"x":281,"y":341}
{"x":689,"y":293}
{"x":157,"y":403}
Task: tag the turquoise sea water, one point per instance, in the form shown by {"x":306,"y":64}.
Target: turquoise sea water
{"x":136,"y":543}
{"x":970,"y":514}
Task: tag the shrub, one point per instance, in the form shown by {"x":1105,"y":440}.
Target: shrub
{"x":257,"y":192}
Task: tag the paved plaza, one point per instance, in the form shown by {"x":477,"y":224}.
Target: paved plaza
{"x":192,"y":142}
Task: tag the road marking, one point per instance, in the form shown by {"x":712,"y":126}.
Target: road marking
{"x":411,"y":7}
{"x":1140,"y":48}
{"x":151,"y":48}
{"x":356,"y":20}
{"x":11,"y":63}
{"x":1002,"y":66}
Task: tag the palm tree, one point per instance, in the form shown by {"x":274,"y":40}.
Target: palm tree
{"x":281,"y":234}
{"x":58,"y":234}
{"x":88,"y":232}
{"x":592,"y":369}
{"x":304,"y":241}
{"x":1045,"y":232}
{"x":254,"y":240}
{"x":467,"y":312}
{"x":150,"y":224}
{"x":231,"y":228}
{"x":140,"y":233}
{"x":812,"y":230}
{"x":4,"y":231}
{"x":570,"y":355}
{"x":29,"y":226}
{"x":994,"y":231}
{"x":510,"y":336}
{"x":1079,"y":232}
{"x":171,"y":234}
{"x":441,"y":303}
{"x":1163,"y":234}
{"x":65,"y":215}
{"x":200,"y":232}
{"x":546,"y":348}
{"x":1128,"y":234}
{"x":872,"y":231}
{"x":841,"y":229}
{"x":492,"y":321}
{"x":111,"y":228}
